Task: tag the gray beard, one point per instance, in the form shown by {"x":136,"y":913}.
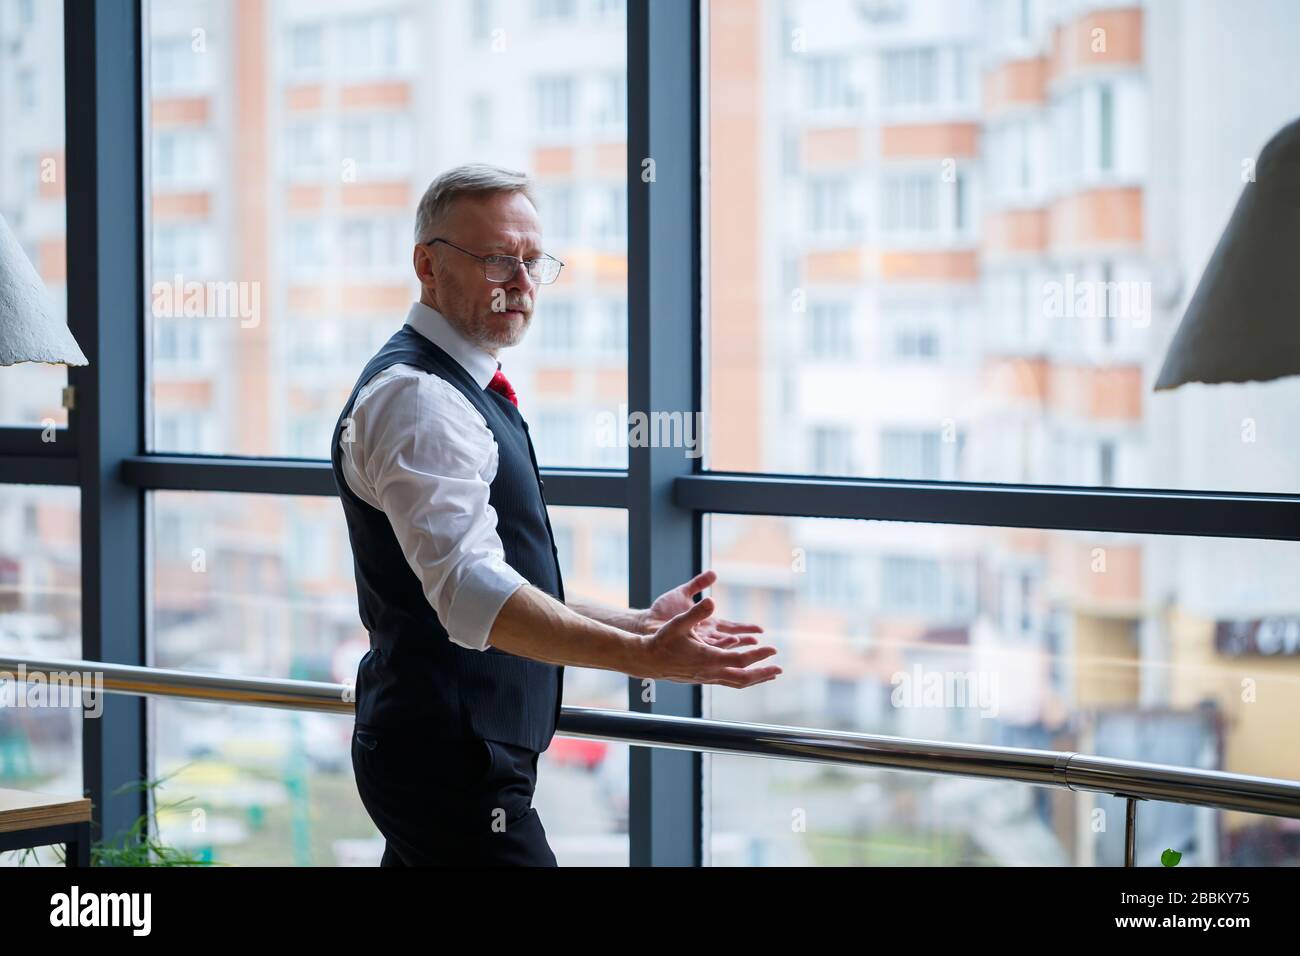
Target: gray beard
{"x":483,"y":335}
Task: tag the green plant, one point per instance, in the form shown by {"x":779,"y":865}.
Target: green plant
{"x":139,"y":846}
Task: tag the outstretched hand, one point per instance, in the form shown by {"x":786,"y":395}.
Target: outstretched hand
{"x":687,"y":643}
{"x":717,"y":631}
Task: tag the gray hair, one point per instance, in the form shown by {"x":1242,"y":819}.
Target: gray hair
{"x":472,"y":178}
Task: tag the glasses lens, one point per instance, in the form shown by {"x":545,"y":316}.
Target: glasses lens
{"x":500,"y":268}
{"x":544,"y":270}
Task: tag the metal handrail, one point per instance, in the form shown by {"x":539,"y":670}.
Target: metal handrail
{"x":1131,"y":780}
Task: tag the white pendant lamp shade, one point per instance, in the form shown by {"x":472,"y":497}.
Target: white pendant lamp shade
{"x":1243,"y":322}
{"x":29,"y":330}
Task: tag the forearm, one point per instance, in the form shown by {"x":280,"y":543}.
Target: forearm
{"x":625,"y":619}
{"x":533,"y":624}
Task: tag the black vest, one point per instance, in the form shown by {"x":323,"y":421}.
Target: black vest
{"x":415,"y":678}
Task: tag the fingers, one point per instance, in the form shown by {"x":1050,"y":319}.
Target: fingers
{"x":694,"y":614}
{"x":698,"y":583}
{"x":727,"y":656}
{"x":731,"y":667}
{"x":740,"y":678}
{"x":737,"y":658}
{"x":733,"y":627}
{"x":726,"y":640}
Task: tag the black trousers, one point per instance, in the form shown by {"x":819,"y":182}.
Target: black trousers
{"x":450,"y":802}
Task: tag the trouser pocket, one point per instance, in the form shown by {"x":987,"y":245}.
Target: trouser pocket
{"x":391,"y":760}
{"x":488,"y":757}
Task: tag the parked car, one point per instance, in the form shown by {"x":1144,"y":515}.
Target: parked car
{"x":577,"y":752}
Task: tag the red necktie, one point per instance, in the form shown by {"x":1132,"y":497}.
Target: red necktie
{"x":501,"y":385}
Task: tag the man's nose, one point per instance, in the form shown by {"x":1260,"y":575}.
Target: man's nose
{"x":521,"y":279}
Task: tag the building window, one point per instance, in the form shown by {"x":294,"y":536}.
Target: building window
{"x":1106,"y":128}
{"x":790,"y":146}
{"x":373,"y":243}
{"x":554,"y":11}
{"x":563,"y":535}
{"x":1022,"y":157}
{"x":611,"y":558}
{"x":304,"y":149}
{"x":377,"y":143}
{"x":611,"y":108}
{"x":830,"y":207}
{"x":832,"y":450}
{"x":910,"y":78}
{"x":306,"y":55}
{"x":910,"y":203}
{"x":611,"y":224}
{"x":372,"y":44}
{"x":1024,"y":20}
{"x":558,"y":326}
{"x":832,"y":579}
{"x":178,"y":340}
{"x":554,"y":96}
{"x":613,"y":326}
{"x":961,"y":75}
{"x":1019,"y":615}
{"x":1106,"y":464}
{"x":481,"y":19}
{"x":910,"y":585}
{"x":179,"y":430}
{"x":177,"y":250}
{"x":560,"y":207}
{"x":175,"y":68}
{"x":309,"y":549}
{"x":306,"y":246}
{"x":841,"y":702}
{"x":480,"y":117}
{"x":180,"y":158}
{"x":830,"y":330}
{"x":26,"y":84}
{"x":1109,"y":305}
{"x":912,"y":454}
{"x":828,"y":84}
{"x":28,"y":175}
{"x":913,"y":332}
{"x":959,"y":199}
{"x":557,"y":434}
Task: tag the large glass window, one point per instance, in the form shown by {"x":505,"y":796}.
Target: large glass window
{"x":33,"y":187}
{"x":40,"y":617}
{"x":262,"y":585}
{"x":1166,"y":649}
{"x":290,"y":147}
{"x":1054,"y":227}
{"x":582,"y":785}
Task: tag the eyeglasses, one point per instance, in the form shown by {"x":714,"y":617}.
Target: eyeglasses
{"x":543,"y":270}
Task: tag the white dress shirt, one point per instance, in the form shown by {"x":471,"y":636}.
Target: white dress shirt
{"x":422,"y":454}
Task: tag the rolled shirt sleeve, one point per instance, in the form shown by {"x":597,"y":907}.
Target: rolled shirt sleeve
{"x":425,"y":456}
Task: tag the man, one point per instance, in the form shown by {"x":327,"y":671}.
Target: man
{"x":458,"y":578}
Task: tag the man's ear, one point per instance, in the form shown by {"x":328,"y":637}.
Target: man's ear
{"x":422,"y":261}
